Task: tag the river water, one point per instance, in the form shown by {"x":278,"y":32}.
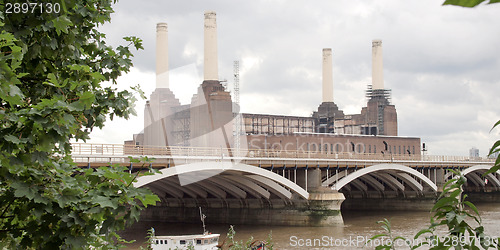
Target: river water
{"x":358,"y":227}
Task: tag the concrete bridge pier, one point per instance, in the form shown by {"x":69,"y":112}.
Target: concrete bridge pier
{"x":440,"y":180}
{"x":323,"y":205}
{"x":439,"y":174}
{"x":309,"y":178}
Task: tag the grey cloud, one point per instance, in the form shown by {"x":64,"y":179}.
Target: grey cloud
{"x":441,"y":62}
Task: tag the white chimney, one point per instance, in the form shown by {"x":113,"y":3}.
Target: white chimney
{"x":161,"y":56}
{"x":377,"y":65}
{"x":210,"y":64}
{"x":327,"y":75}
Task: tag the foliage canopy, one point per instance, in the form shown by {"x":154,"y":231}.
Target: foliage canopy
{"x":53,"y":73}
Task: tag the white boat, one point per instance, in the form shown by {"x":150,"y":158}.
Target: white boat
{"x":195,"y":241}
{"x":205,"y":241}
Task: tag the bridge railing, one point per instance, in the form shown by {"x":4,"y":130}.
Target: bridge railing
{"x":361,"y":156}
{"x":88,"y":150}
{"x":95,"y":149}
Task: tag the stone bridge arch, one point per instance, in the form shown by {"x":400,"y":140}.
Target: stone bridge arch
{"x":219,"y":181}
{"x":381,"y":176}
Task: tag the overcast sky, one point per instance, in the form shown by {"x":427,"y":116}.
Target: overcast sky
{"x":441,"y":62}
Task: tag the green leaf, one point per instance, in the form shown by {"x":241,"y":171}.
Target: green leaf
{"x":136,"y":41}
{"x":493,"y":169}
{"x":472,"y":206}
{"x":76,"y":106}
{"x":104,"y":201}
{"x":39,"y":157}
{"x":61,"y":23}
{"x":23,"y":190}
{"x":460,"y":218}
{"x":443,"y":202}
{"x":138,"y":89}
{"x":494,"y":148}
{"x":463,"y":3}
{"x":15,"y":96}
{"x":53,"y":81}
{"x":98,"y":77}
{"x":455,"y":193}
{"x":15,"y":91}
{"x":12,"y":139}
{"x":498,"y":122}
{"x":87,"y":98}
{"x":149,"y":199}
{"x":450,"y":216}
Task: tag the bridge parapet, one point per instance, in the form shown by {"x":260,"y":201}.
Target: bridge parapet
{"x":116,"y":151}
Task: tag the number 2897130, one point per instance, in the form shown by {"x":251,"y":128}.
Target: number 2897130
{"x":27,"y":7}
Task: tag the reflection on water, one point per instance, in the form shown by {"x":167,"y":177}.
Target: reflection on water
{"x":358,"y":226}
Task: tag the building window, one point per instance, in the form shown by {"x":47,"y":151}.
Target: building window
{"x":413,"y":151}
{"x":326,"y":149}
{"x":394,"y":151}
{"x":337,"y":148}
{"x":331,"y":148}
{"x":369,"y":149}
{"x":375,"y":149}
{"x":399,"y":149}
{"x":313,"y":147}
{"x":404,"y":150}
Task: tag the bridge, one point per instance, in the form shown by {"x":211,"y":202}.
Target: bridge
{"x":282,"y":187}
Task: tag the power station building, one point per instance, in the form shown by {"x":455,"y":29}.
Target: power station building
{"x":209,"y":120}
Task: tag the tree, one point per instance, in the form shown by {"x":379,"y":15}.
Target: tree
{"x":53,"y":70}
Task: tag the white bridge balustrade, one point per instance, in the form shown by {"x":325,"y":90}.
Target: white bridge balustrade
{"x":103,"y":152}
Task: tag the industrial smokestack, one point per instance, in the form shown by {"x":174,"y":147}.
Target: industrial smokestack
{"x":161,"y":56}
{"x":210,"y":64}
{"x":377,"y":65}
{"x":327,"y":75}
